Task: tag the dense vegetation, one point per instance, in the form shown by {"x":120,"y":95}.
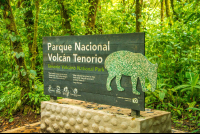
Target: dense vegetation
{"x":172,"y":35}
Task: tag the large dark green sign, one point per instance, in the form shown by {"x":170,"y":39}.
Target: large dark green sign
{"x":106,"y":69}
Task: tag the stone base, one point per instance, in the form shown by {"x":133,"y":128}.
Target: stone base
{"x":66,"y":118}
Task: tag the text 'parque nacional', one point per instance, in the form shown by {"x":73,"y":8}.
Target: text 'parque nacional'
{"x":58,"y":57}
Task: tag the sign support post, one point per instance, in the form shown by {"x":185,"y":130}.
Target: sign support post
{"x":135,"y":113}
{"x":53,"y":98}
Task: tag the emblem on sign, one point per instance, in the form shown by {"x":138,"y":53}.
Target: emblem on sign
{"x":130,"y":64}
{"x":66,"y":91}
{"x":58,"y":90}
{"x":135,"y":100}
{"x":50,"y":89}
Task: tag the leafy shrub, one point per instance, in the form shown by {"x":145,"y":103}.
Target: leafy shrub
{"x":36,"y":96}
{"x":9,"y":98}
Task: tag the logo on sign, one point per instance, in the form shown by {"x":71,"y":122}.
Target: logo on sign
{"x":135,"y":100}
{"x":66,"y":91}
{"x":50,"y":89}
{"x":58,"y":90}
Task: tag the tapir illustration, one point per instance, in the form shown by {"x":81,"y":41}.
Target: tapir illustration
{"x":130,"y":64}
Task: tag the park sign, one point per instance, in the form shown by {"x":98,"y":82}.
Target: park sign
{"x":104,"y":69}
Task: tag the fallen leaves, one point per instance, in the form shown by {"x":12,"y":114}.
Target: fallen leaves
{"x":19,"y":120}
{"x":95,"y":108}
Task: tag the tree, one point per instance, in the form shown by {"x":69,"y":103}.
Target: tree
{"x":138,"y":8}
{"x":91,"y":16}
{"x":174,"y":13}
{"x":66,"y":19}
{"x":100,"y":26}
{"x":162,"y":12}
{"x":34,"y":46}
{"x":29,"y":23}
{"x":168,"y":14}
{"x":17,"y":47}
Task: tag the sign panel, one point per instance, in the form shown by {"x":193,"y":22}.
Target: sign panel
{"x":91,"y":68}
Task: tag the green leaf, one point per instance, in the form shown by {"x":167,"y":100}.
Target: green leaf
{"x":28,"y":67}
{"x":7,"y":21}
{"x":170,"y":105}
{"x":13,"y":7}
{"x":35,"y":87}
{"x":13,"y":38}
{"x":2,"y":7}
{"x":185,"y":89}
{"x":23,"y":72}
{"x":19,"y":103}
{"x":16,"y":67}
{"x":195,"y":80}
{"x":181,"y":86}
{"x":153,"y":57}
{"x":36,"y":100}
{"x":179,"y":112}
{"x":9,"y":13}
{"x":18,"y":38}
{"x":21,"y":54}
{"x":30,"y":95}
{"x":197,"y":86}
{"x":17,"y":55}
{"x":2,"y":88}
{"x":189,"y":74}
{"x":164,"y":90}
{"x":133,"y":14}
{"x":189,"y":17}
{"x":5,"y":75}
{"x":195,"y":131}
{"x":33,"y":72}
{"x":161,"y":95}
{"x":11,"y":119}
{"x":140,"y":20}
{"x":5,"y":35}
{"x":195,"y":109}
{"x":192,"y":104}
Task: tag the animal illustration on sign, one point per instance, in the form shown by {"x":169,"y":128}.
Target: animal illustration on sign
{"x":130,"y":64}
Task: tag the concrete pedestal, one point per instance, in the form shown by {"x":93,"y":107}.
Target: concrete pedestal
{"x":68,"y":118}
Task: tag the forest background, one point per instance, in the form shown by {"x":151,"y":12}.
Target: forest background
{"x":172,"y":29}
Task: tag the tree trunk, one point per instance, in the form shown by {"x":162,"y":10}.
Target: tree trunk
{"x":172,"y":5}
{"x":138,"y":15}
{"x":124,"y":6}
{"x":162,"y":12}
{"x":29,"y":23}
{"x":168,"y":11}
{"x":100,"y":26}
{"x":19,"y":3}
{"x":34,"y":46}
{"x":90,"y":25}
{"x":17,"y":47}
{"x":66,"y":19}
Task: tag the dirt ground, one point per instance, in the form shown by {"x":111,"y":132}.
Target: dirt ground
{"x":30,"y":123}
{"x":19,"y":121}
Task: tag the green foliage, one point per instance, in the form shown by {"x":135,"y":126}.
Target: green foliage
{"x":33,"y":74}
{"x":191,"y":89}
{"x":176,"y":49}
{"x":10,"y":98}
{"x":11,"y":119}
{"x":36,"y":96}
